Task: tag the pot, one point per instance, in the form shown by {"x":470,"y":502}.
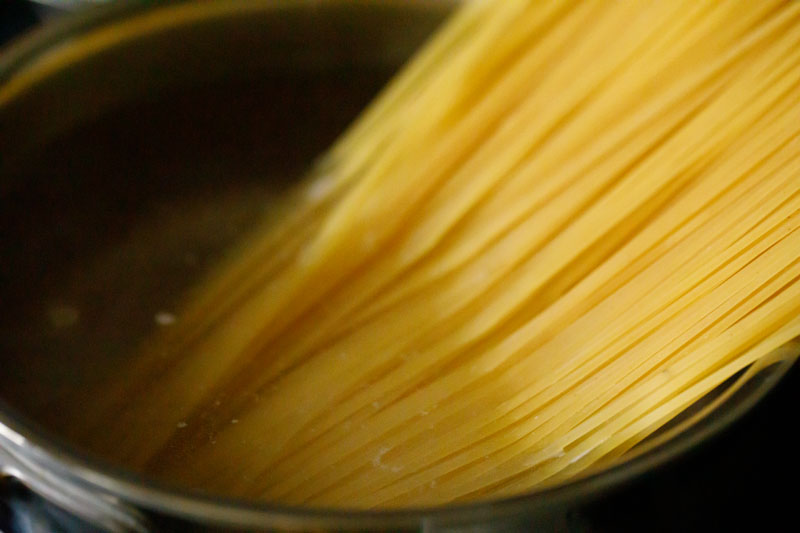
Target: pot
{"x":137,"y":142}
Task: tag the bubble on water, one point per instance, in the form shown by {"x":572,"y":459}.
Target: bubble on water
{"x":63,"y":316}
{"x":320,"y":188}
{"x":377,"y":461}
{"x":164,"y":318}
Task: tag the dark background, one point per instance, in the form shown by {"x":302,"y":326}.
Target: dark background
{"x":744,"y":479}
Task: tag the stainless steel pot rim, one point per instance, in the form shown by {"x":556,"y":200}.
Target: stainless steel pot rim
{"x":46,"y":450}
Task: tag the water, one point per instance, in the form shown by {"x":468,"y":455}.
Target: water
{"x":106,"y":228}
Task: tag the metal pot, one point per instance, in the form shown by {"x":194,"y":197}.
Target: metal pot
{"x":136,"y":143}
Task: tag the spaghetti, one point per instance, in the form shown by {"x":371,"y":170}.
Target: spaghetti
{"x":561,"y":225}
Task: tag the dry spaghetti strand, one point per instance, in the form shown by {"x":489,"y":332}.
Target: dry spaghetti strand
{"x":557,"y":228}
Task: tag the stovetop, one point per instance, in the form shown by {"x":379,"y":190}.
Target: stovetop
{"x":741,"y":480}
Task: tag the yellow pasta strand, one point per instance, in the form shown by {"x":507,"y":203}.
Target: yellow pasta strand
{"x":558,"y":227}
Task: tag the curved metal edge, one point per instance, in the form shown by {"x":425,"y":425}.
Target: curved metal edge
{"x":114,"y":485}
{"x":98,"y":509}
{"x":69,"y":4}
{"x":55,"y":470}
{"x":32,"y":44}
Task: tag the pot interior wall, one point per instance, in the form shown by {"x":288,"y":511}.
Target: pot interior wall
{"x":132,"y":172}
{"x":108,"y":225}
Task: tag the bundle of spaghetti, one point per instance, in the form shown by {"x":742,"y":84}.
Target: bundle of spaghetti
{"x":560,"y":226}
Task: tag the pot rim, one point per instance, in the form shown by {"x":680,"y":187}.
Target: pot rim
{"x":21,"y":436}
{"x":49,"y":452}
